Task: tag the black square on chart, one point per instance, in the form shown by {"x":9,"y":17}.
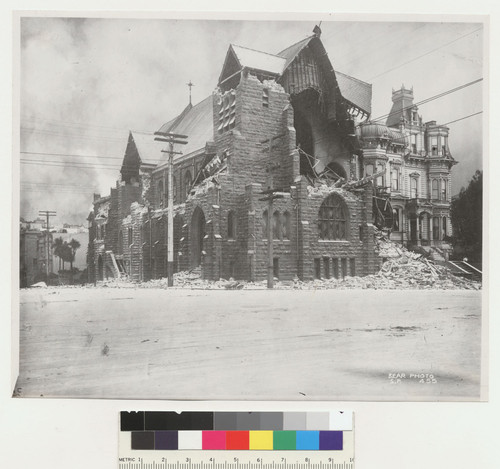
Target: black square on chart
{"x":130,"y":421}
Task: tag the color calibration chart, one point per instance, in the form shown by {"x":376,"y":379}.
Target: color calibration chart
{"x":236,"y":440}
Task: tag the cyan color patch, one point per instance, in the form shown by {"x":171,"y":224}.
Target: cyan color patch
{"x":307,"y":440}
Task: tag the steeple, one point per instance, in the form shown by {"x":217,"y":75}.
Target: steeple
{"x":190,"y":84}
{"x":317,"y":30}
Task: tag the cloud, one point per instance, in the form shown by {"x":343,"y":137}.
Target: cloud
{"x":86,"y":82}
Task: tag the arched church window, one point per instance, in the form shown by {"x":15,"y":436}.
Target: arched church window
{"x":332,"y":220}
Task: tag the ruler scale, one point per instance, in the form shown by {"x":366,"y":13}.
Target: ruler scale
{"x":236,"y":440}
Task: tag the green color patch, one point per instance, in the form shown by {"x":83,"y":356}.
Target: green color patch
{"x":284,"y":440}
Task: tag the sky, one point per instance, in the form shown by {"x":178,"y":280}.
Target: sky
{"x":85,"y":82}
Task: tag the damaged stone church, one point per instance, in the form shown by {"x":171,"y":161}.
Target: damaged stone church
{"x":288,"y":125}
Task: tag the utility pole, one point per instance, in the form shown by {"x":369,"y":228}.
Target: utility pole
{"x":47,"y":214}
{"x":150,"y":243}
{"x":171,"y":139}
{"x":270,"y":195}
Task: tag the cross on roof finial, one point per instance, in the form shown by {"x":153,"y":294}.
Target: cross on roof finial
{"x":190,"y":84}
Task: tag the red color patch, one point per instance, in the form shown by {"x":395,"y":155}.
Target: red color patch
{"x":237,"y":440}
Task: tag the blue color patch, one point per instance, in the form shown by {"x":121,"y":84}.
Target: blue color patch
{"x":307,"y":440}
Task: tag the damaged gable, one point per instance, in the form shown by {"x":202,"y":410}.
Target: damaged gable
{"x":239,"y":58}
{"x":308,"y":66}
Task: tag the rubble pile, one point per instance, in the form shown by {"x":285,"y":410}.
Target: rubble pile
{"x":192,"y":279}
{"x":402,"y":269}
{"x":407,"y":269}
{"x":402,"y":273}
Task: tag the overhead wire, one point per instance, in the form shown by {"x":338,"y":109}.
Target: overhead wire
{"x":427,"y":100}
{"x":415,"y":58}
{"x":427,"y":53}
{"x":463,"y":118}
{"x":115,"y":167}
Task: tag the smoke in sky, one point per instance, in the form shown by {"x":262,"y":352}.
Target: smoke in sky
{"x":86,"y":82}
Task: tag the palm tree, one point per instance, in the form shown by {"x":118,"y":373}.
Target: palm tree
{"x":66,"y":253}
{"x":57,"y":247}
{"x":73,"y":245}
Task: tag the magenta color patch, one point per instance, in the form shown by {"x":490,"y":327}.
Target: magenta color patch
{"x":213,"y":439}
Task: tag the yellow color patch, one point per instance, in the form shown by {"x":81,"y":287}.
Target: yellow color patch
{"x":261,"y":440}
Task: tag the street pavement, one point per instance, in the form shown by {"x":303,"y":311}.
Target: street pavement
{"x":217,"y":344}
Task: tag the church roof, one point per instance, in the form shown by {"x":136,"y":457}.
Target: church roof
{"x":292,"y":51}
{"x":356,"y":91}
{"x":196,"y":122}
{"x":258,"y":60}
{"x":148,"y":149}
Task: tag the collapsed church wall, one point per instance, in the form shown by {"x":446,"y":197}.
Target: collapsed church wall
{"x":319,"y":139}
{"x":336,"y":232}
{"x":220,"y":215}
{"x":245,"y":118}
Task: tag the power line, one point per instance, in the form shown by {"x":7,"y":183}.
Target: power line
{"x":78,"y":164}
{"x":55,"y":184}
{"x":416,"y":58}
{"x":427,"y":100}
{"x":427,"y":53}
{"x":83,"y":163}
{"x":70,"y":135}
{"x":58,"y":191}
{"x":62,"y":165}
{"x":462,"y":118}
{"x":82,"y":156}
{"x":424,"y":101}
{"x":69,"y":123}
{"x":391,"y":40}
{"x":71,"y":155}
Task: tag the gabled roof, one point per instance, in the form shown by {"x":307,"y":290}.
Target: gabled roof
{"x":292,"y":51}
{"x":356,"y":91}
{"x":258,"y":60}
{"x":196,"y":122}
{"x":238,"y":58}
{"x":148,"y":149}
